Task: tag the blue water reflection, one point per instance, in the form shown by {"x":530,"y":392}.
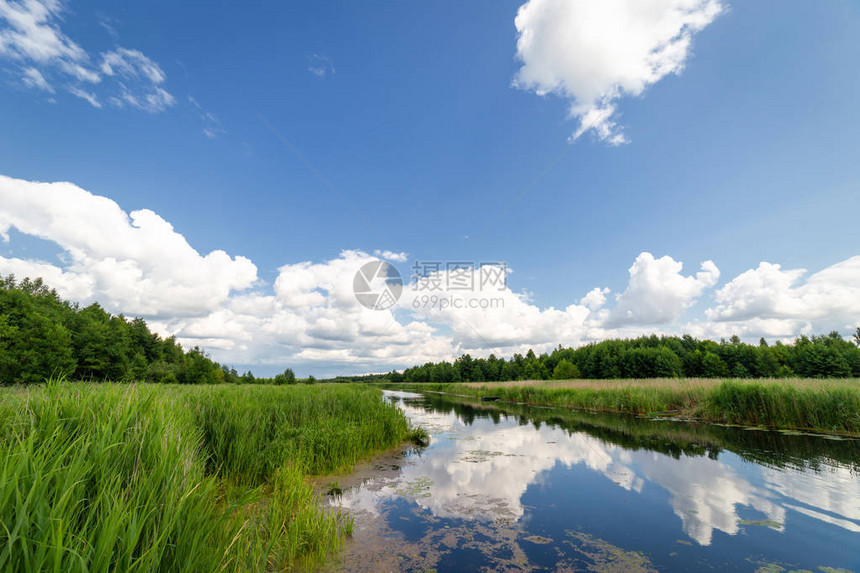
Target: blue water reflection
{"x":504,"y":487}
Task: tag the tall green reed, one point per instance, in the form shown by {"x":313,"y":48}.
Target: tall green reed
{"x":103,"y":477}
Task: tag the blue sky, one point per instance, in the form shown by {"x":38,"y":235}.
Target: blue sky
{"x":444,"y":135}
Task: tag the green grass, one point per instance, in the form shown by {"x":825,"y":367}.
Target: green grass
{"x":830,"y":406}
{"x":154,"y":478}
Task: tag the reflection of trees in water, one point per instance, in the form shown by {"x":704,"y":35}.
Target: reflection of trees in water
{"x":480,"y":470}
{"x":672,"y":438}
{"x":466,"y":411}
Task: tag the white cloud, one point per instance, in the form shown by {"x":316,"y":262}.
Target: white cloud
{"x":484,"y":314}
{"x":137,"y":264}
{"x":592,"y":53}
{"x":31,"y":38}
{"x":658,"y":293}
{"x":770,"y":292}
{"x":321,"y":66}
{"x":109,"y":26}
{"x":75,"y":286}
{"x":131,"y":262}
{"x":212,"y":127}
{"x":154,"y":101}
{"x":33,"y":78}
{"x":391,"y":256}
{"x":31,"y":32}
{"x":131,"y":64}
{"x":85,"y":95}
{"x":312,"y":318}
{"x":595,"y":298}
{"x":80,"y":72}
{"x":753,"y":328}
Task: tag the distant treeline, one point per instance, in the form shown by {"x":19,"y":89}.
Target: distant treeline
{"x":655,"y":357}
{"x":42,"y":336}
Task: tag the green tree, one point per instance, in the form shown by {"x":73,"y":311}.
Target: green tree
{"x":7,"y":334}
{"x":142,"y":340}
{"x":565,"y":370}
{"x":163,"y":372}
{"x":713,"y":366}
{"x":199,"y":369}
{"x":35,"y":343}
{"x":230,"y":375}
{"x":138,"y":367}
{"x":285,"y":377}
{"x":101,"y":344}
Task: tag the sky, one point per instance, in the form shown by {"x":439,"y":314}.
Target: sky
{"x":539,"y":173}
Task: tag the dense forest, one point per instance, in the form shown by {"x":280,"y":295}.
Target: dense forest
{"x":43,"y":336}
{"x":657,"y":356}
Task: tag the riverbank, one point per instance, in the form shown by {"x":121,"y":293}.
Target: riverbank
{"x":829,"y":406}
{"x":141,"y":477}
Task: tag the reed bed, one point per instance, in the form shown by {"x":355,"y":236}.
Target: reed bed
{"x":822,"y":405}
{"x":106,"y":477}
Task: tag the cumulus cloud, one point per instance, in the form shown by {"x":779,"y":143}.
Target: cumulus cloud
{"x":312,"y":317}
{"x":658,"y":293}
{"x":753,"y":328}
{"x":136,"y":263}
{"x":780,"y":299}
{"x":391,"y":256}
{"x":131,"y":262}
{"x":32,"y":40}
{"x":594,"y":53}
{"x":476,"y":303}
{"x":595,"y":298}
{"x":75,"y":286}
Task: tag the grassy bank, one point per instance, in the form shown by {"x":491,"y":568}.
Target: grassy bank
{"x":170,"y":478}
{"x":782,"y":449}
{"x":831,"y":406}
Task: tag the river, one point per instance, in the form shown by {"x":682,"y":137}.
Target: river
{"x":505,"y":487}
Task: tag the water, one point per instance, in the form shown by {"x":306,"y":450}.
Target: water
{"x":510,"y":488}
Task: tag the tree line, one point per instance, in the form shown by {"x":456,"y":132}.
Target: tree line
{"x":656,"y":357}
{"x":42,"y":336}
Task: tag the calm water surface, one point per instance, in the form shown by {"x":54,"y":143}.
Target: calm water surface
{"x":509,"y":488}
